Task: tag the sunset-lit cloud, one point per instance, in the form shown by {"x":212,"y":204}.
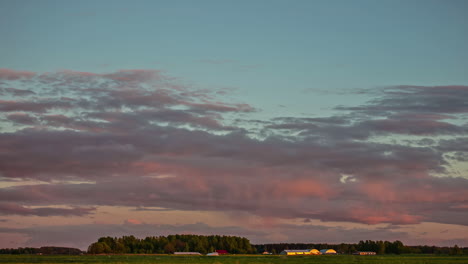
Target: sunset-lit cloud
{"x":283,"y":126}
{"x":134,"y":128}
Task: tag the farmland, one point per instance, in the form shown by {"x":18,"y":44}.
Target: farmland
{"x":239,"y":259}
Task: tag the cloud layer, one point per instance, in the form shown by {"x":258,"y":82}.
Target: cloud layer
{"x":140,"y":138}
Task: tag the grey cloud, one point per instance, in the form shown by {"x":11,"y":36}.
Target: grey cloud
{"x":22,"y":119}
{"x":417,"y":99}
{"x":17,"y":92}
{"x":15,"y":209}
{"x":40,"y":106}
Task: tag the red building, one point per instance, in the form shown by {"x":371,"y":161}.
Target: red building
{"x":222,"y":251}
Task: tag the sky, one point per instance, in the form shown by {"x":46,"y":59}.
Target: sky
{"x":281,"y":121}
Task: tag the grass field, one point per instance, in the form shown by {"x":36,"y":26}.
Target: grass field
{"x":167,"y":259}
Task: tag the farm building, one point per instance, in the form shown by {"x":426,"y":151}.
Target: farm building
{"x":187,"y":253}
{"x":222,"y":251}
{"x":327,"y":251}
{"x":213,"y":254}
{"x":293,"y":252}
{"x":364,"y":253}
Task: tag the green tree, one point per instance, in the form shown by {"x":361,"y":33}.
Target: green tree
{"x":99,"y":248}
{"x":169,"y":248}
{"x":381,"y":248}
{"x":455,"y":250}
{"x":119,"y":248}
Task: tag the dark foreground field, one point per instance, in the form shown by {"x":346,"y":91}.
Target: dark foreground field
{"x":167,"y":259}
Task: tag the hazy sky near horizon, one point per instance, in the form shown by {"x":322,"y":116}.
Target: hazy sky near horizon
{"x":280,"y":121}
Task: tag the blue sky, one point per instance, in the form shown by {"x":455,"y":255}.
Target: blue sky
{"x":343,"y":116}
{"x":267,"y":49}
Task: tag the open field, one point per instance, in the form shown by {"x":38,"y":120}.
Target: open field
{"x":254,"y":259}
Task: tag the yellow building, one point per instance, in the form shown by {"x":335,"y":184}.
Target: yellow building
{"x":296,"y":252}
{"x":327,"y":251}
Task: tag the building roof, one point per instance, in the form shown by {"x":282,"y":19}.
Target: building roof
{"x":324,"y":251}
{"x":187,"y":253}
{"x":297,"y":250}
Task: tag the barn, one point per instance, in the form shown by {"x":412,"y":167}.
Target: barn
{"x":295,"y":252}
{"x":314,"y":252}
{"x":327,"y":251}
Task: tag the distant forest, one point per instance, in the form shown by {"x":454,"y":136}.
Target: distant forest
{"x":232,"y":244}
{"x":42,"y":250}
{"x":171,"y":244}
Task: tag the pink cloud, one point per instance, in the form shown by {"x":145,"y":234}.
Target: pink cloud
{"x":11,"y":75}
{"x":382,"y":191}
{"x":133,"y":222}
{"x":371,"y":216}
{"x":302,"y":188}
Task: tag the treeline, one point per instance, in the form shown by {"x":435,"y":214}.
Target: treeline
{"x":15,"y":251}
{"x":42,"y":250}
{"x":171,"y":244}
{"x":380,"y":247}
